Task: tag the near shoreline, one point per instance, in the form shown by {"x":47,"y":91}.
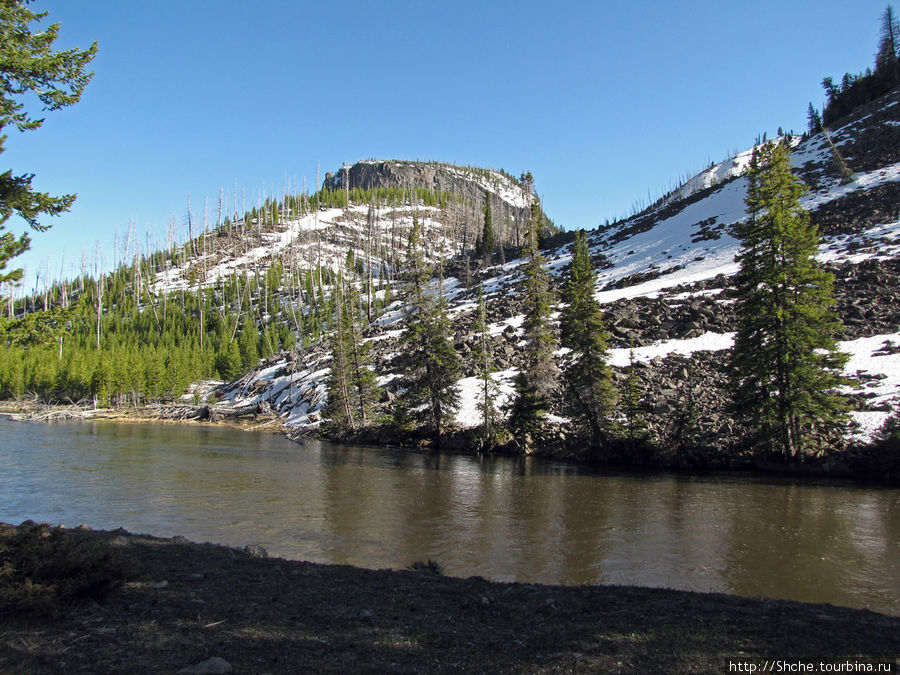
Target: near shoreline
{"x":187,"y":603}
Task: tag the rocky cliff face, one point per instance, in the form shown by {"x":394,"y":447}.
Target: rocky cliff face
{"x":510,"y":200}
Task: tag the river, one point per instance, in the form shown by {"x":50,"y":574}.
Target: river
{"x":507,"y":519}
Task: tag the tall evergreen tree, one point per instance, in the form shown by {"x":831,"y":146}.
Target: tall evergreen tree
{"x":813,"y":120}
{"x":352,"y":387}
{"x":416,"y":270}
{"x":228,"y":361}
{"x":633,"y":408}
{"x":785,"y":362}
{"x":488,"y":390}
{"x":591,"y":394}
{"x":338,"y":407}
{"x":430,"y":363}
{"x":486,"y":242}
{"x":248,"y":343}
{"x":362,"y":373}
{"x":29,"y":65}
{"x":537,"y":377}
{"x":889,"y":43}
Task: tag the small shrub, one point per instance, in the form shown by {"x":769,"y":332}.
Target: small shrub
{"x":889,"y":433}
{"x":44,"y":570}
{"x":430,"y":567}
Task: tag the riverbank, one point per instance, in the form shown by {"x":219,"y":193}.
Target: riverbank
{"x":186,"y":603}
{"x":878,"y":462}
{"x":29,"y":411}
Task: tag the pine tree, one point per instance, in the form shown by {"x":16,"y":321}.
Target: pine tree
{"x":591,"y":395}
{"x":339,"y":408}
{"x":416,"y":270}
{"x":537,"y":376}
{"x":430,"y":363}
{"x":31,"y":66}
{"x":248,"y":343}
{"x":889,"y":44}
{"x":785,"y":363}
{"x":486,"y":242}
{"x":633,"y":408}
{"x":361,"y":374}
{"x":814,"y":120}
{"x":488,"y":390}
{"x":228,"y":361}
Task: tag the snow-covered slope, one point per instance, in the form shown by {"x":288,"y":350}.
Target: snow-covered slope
{"x":322,"y":237}
{"x":663,"y":271}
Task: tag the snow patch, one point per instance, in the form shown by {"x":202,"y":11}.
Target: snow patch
{"x":621,"y":357}
{"x":867,"y":356}
{"x":471,"y":394}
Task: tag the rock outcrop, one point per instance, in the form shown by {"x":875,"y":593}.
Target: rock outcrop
{"x":510,"y":199}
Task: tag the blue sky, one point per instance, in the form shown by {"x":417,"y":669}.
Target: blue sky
{"x":604,"y":102}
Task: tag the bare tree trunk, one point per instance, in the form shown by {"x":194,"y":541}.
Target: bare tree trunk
{"x":99,"y":307}
{"x":190,"y":224}
{"x":205,"y":238}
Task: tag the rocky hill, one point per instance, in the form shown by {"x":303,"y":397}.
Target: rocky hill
{"x":663,"y":278}
{"x":384,"y":197}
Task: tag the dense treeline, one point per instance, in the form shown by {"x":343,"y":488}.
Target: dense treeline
{"x":394,"y":196}
{"x":109,"y":341}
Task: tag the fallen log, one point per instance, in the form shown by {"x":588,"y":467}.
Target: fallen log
{"x":251,"y":409}
{"x":178,"y":412}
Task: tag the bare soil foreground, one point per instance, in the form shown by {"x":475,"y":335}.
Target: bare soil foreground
{"x":185,"y":603}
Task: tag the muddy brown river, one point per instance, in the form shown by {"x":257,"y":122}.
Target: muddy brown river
{"x":507,"y":519}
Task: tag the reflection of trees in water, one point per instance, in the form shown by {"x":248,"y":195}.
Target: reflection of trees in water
{"x":498,"y":517}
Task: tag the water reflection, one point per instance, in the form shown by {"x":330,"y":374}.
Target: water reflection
{"x":506,"y":519}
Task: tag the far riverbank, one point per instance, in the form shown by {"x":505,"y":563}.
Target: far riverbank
{"x":866,"y":463}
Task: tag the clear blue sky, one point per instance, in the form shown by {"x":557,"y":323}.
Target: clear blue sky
{"x":602,"y":101}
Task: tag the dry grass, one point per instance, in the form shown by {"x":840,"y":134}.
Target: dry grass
{"x":44,"y":570}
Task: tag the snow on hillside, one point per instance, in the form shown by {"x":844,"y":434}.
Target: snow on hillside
{"x":681,"y":244}
{"x":471,"y":393}
{"x":844,"y":248}
{"x":718,"y":173}
{"x":865,"y":181}
{"x":816,"y":150}
{"x":712,"y":342}
{"x":344,"y":227}
{"x":869,"y":357}
{"x":677,"y":244}
{"x":495,"y":182}
{"x":669,"y":246}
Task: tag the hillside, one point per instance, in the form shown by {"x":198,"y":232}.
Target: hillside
{"x":304,"y":232}
{"x":662,"y":279}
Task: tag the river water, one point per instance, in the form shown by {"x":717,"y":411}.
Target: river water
{"x":509,"y":519}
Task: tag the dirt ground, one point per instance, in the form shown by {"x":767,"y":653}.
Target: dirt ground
{"x":187,"y":603}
